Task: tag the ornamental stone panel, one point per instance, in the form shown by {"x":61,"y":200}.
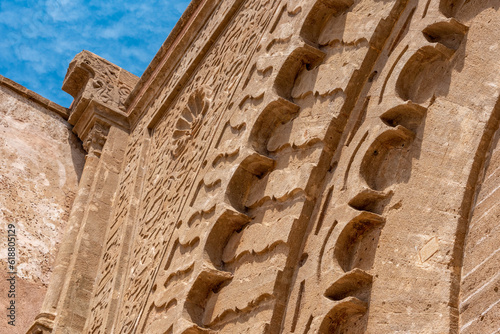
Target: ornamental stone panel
{"x":289,"y":166}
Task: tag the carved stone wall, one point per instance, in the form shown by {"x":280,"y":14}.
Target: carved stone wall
{"x":293,"y":166}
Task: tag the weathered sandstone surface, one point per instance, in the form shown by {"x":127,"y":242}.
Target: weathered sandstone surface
{"x":41,"y":161}
{"x":289,"y":166}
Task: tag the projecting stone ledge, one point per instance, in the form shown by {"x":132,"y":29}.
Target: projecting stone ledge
{"x":34,"y":97}
{"x":99,"y":89}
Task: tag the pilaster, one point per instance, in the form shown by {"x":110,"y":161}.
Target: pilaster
{"x":97,"y":113}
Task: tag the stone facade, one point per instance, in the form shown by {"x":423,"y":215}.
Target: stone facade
{"x":289,"y":166}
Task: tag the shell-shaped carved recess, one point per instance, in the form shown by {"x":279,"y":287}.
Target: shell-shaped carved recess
{"x":209,"y":281}
{"x":448,"y":33}
{"x":190,"y":121}
{"x":319,"y":15}
{"x":212,"y":276}
{"x":356,"y":244}
{"x":303,"y":57}
{"x":383,"y":163}
{"x":417,"y":80}
{"x":355,"y":283}
{"x":409,"y":115}
{"x":250,"y":170}
{"x":275,"y":113}
{"x":342,"y":316}
{"x":229,"y":222}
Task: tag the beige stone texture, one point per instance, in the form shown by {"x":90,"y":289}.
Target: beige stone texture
{"x":295,"y":166}
{"x":480,"y":298}
{"x":41,"y":161}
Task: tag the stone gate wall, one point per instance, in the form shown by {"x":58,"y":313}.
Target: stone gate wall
{"x":289,"y":167}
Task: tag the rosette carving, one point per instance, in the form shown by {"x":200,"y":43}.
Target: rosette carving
{"x":190,"y":121}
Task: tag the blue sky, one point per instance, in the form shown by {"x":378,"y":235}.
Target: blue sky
{"x":38,"y":38}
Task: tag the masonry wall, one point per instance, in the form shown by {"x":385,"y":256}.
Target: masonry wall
{"x":321,"y":190}
{"x":291,"y":167}
{"x":40,"y":163}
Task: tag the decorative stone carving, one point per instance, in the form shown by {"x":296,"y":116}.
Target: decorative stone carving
{"x":190,"y":121}
{"x":92,"y":77}
{"x":99,"y":89}
{"x":96,"y":139}
{"x":287,"y":168}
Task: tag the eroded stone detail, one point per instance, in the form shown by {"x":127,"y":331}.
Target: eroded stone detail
{"x":306,"y":167}
{"x":92,"y":77}
{"x":96,"y":139}
{"x":41,"y":162}
{"x":190,"y":121}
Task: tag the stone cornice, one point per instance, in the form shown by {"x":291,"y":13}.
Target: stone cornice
{"x":32,"y":96}
{"x":184,"y":41}
{"x":179,"y":32}
{"x":99,"y":89}
{"x":107,"y":94}
{"x":132,"y":102}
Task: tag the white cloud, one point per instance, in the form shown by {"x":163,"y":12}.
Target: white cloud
{"x":27,"y":53}
{"x":64,"y":10}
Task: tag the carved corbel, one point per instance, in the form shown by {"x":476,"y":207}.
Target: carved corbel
{"x":100,"y":89}
{"x":96,"y":138}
